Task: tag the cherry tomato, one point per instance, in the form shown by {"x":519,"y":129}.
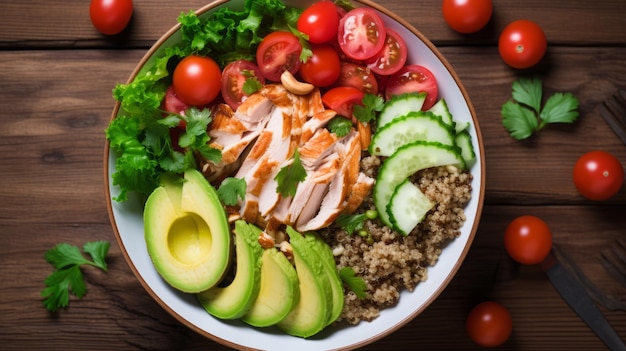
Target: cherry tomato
{"x":410,"y":79}
{"x":528,"y":239}
{"x":342,"y":100}
{"x":522,"y":44}
{"x":358,"y":76}
{"x":489,"y":324}
{"x":278,"y":52}
{"x":361,"y":33}
{"x":172,"y":104}
{"x":197,"y":80}
{"x":391,"y":58}
{"x":234,"y":75}
{"x":467,"y":16}
{"x":110,"y":16}
{"x":598,"y":175}
{"x":323,"y":67}
{"x":319,"y":21}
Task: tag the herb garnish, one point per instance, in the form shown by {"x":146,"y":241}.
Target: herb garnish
{"x":290,"y":175}
{"x":371,"y":104}
{"x":231,"y":190}
{"x":67,"y":259}
{"x":523,"y":116}
{"x":354,"y":283}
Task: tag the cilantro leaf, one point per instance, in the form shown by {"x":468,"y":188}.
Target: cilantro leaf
{"x":521,"y":122}
{"x":231,"y":190}
{"x":354,"y":283}
{"x":251,"y":85}
{"x":560,"y":108}
{"x":196,"y":136}
{"x":351,"y":223}
{"x":68,"y":277}
{"x":340,"y":126}
{"x":528,"y":91}
{"x":371,"y":104}
{"x":290,"y":175}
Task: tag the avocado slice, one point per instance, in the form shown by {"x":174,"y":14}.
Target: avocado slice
{"x":278,"y":293}
{"x":317,"y":244}
{"x":187,"y":233}
{"x":310,"y":315}
{"x":236,"y":299}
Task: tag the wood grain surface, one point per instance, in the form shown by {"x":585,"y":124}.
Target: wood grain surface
{"x":56,"y":77}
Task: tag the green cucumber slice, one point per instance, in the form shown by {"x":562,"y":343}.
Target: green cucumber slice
{"x":440,"y":108}
{"x":412,"y":127}
{"x":464,"y":142}
{"x":408,"y":207}
{"x":400,"y":105}
{"x":406,"y":161}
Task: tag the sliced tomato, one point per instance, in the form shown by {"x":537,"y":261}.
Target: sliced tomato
{"x":361,"y":33}
{"x":278,"y":52}
{"x":323,"y":67}
{"x":342,"y":100}
{"x":391,"y":57}
{"x":358,"y":76}
{"x":412,"y":79}
{"x":319,"y":21}
{"x":172,"y":104}
{"x":234,"y":76}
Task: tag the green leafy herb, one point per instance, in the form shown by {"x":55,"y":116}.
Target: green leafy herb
{"x":354,"y":283}
{"x":196,"y":137}
{"x":289,"y":176}
{"x":523,"y":116}
{"x":252,"y":83}
{"x":68,"y":277}
{"x":371,"y":104}
{"x":351,"y":223}
{"x":231,"y":190}
{"x":340,"y":126}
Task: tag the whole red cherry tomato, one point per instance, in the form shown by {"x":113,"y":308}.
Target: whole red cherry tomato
{"x":197,"y":80}
{"x":489,"y":324}
{"x":467,"y":16}
{"x":319,"y":21}
{"x":598,"y":175}
{"x":528,"y":239}
{"x":110,"y":16}
{"x":522,"y":44}
{"x":323,"y":67}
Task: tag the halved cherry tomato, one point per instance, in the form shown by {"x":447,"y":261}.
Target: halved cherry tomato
{"x":342,"y":100}
{"x":489,"y":324}
{"x":172,"y":104}
{"x":319,"y":21}
{"x":323,"y":67}
{"x":361,"y":33}
{"x":110,"y":16}
{"x":467,"y":16}
{"x":234,"y":75}
{"x":522,"y":44}
{"x":197,"y":80}
{"x":392,"y":57}
{"x":358,"y":76}
{"x":278,"y":52}
{"x":528,"y":239}
{"x":411,"y":79}
{"x":598,"y":175}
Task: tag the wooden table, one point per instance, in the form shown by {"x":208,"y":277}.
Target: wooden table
{"x":56,"y":77}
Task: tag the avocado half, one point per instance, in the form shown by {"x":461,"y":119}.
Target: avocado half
{"x":187,"y":233}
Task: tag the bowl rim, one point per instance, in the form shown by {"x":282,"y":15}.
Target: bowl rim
{"x":450,"y":275}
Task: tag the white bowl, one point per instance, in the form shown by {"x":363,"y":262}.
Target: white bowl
{"x":127,"y":222}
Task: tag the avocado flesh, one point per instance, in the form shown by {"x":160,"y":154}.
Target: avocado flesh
{"x":336,"y":285}
{"x":278,"y":292}
{"x":187,"y":233}
{"x":310,"y":315}
{"x":237,"y":298}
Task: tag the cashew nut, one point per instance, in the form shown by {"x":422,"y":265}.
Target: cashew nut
{"x":294,"y":86}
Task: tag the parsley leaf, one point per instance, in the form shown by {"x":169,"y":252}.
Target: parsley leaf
{"x":340,"y":126}
{"x":523,"y":116}
{"x":290,"y":175}
{"x":351,"y":223}
{"x":231,"y":190}
{"x":354,"y":283}
{"x":371,"y":104}
{"x":67,"y":259}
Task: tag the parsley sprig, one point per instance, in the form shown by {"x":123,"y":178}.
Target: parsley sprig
{"x":523,"y":116}
{"x":68,"y":277}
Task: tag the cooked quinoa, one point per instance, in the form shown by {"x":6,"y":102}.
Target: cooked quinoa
{"x":389,"y":262}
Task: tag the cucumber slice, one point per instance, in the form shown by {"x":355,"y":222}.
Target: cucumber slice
{"x":408,"y":207}
{"x":409,"y":128}
{"x":400,"y":105}
{"x":464,"y":142}
{"x":461,"y":126}
{"x":406,"y":161}
{"x":440,"y":108}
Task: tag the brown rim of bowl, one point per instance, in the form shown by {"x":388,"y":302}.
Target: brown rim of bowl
{"x":389,"y":330}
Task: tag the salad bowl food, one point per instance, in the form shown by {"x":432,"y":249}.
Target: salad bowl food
{"x":147,"y":231}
